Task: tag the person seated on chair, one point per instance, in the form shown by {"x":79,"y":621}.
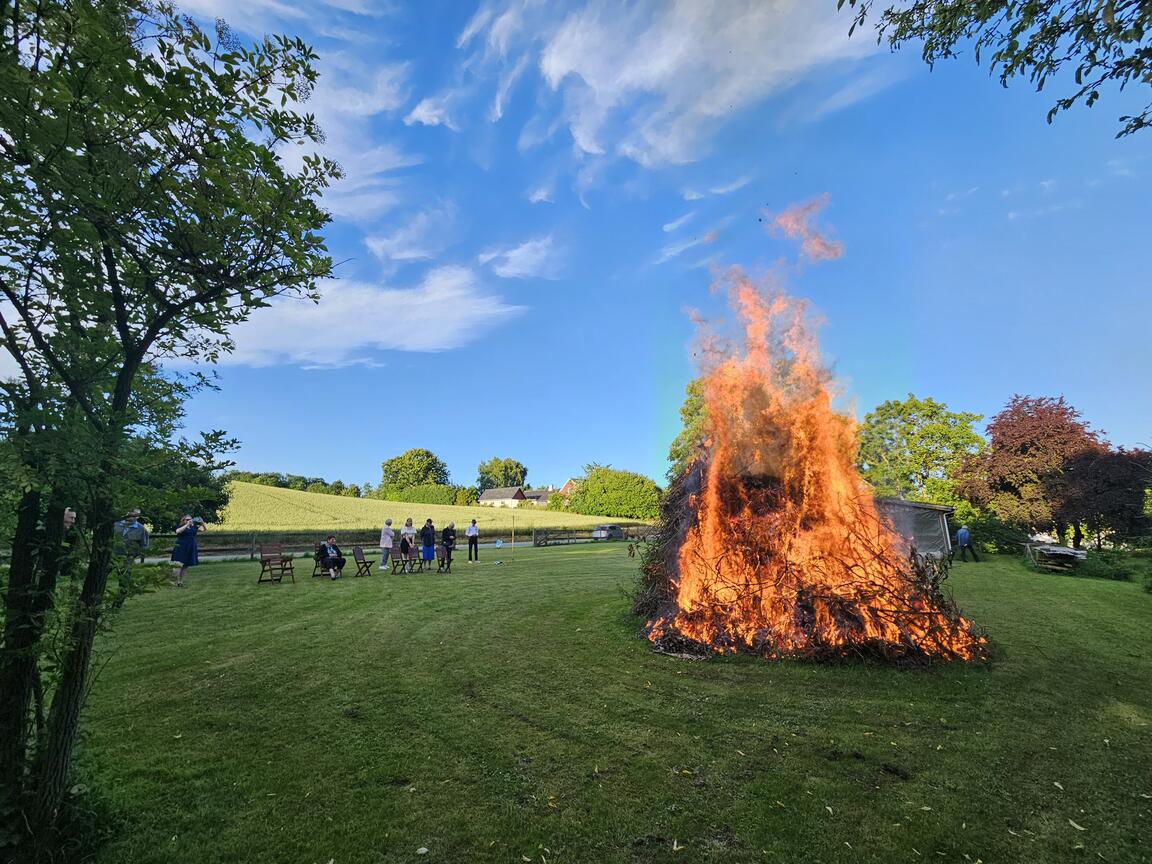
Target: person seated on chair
{"x":332,"y":561}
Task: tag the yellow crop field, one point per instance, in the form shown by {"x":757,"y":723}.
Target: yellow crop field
{"x":254,"y":507}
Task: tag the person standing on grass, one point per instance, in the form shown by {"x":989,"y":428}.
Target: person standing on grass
{"x":333,"y":561}
{"x":473,"y":535}
{"x":407,"y":543}
{"x":964,"y":541}
{"x":186,"y":552}
{"x":428,"y":542}
{"x":448,"y":538}
{"x":386,"y":536}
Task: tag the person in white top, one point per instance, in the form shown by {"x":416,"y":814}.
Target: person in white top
{"x":386,"y":535}
{"x":407,"y":542}
{"x":473,"y":535}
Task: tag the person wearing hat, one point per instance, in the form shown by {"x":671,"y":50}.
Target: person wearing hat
{"x":132,"y":536}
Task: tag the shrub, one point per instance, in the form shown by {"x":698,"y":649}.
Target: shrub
{"x":989,"y":534}
{"x":1114,"y":564}
{"x":466,"y":496}
{"x":557,"y":502}
{"x":425,"y":493}
{"x":608,"y":492}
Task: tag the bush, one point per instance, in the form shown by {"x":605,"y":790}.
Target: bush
{"x":557,"y":502}
{"x":425,"y":493}
{"x":1116,"y":565}
{"x":466,"y":496}
{"x":608,"y":492}
{"x":989,"y":534}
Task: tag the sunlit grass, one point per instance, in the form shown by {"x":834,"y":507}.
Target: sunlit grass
{"x":509,"y":712}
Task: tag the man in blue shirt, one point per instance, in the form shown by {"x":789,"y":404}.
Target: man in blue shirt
{"x":964,"y":541}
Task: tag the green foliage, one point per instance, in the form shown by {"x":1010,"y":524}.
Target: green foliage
{"x":989,"y":534}
{"x":145,"y":211}
{"x":912,"y":449}
{"x":1112,"y":564}
{"x":415,"y":467}
{"x":352,"y":490}
{"x":693,"y":431}
{"x":466,"y":496}
{"x":557,"y":502}
{"x":423,"y":493}
{"x":604,"y":491}
{"x":1100,"y":42}
{"x":496,"y":473}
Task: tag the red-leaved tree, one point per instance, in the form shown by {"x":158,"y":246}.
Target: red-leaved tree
{"x":1021,"y":474}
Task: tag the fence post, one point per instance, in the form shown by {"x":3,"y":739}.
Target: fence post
{"x":252,"y":548}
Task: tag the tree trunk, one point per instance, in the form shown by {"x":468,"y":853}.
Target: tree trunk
{"x":54,"y":761}
{"x":1077,"y":535}
{"x":18,"y":660}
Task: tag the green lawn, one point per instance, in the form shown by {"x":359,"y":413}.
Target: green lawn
{"x":509,"y":713}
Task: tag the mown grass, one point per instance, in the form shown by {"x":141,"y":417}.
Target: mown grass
{"x":254,"y":507}
{"x":509,"y":712}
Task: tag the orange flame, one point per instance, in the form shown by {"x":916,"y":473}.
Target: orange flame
{"x":785,"y":552}
{"x":796,"y":222}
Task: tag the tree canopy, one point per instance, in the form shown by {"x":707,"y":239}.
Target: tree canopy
{"x":496,"y":473}
{"x":604,"y":491}
{"x":145,"y":211}
{"x":693,"y":429}
{"x":1019,"y":474}
{"x":913,"y":448}
{"x":1093,"y":44}
{"x":415,"y":467}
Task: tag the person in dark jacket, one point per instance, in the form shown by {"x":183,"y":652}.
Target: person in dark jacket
{"x":448,"y":540}
{"x":428,"y":542}
{"x":332,"y":561}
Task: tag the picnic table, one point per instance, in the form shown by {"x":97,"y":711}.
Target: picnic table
{"x":1050,"y":556}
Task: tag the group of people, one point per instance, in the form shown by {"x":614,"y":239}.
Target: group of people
{"x":426,"y":540}
{"x":132,"y":536}
{"x":412,"y":542}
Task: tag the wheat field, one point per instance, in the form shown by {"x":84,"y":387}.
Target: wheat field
{"x":254,"y":507}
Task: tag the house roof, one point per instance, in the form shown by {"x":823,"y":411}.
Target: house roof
{"x":502,"y":493}
{"x":538,"y":494}
{"x":916,"y":505}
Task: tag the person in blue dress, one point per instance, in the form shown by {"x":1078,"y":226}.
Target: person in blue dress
{"x":185,"y":553}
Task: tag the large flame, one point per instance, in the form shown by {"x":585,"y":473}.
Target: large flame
{"x":781,"y":550}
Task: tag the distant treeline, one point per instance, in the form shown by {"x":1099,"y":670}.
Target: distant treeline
{"x":422,"y":493}
{"x":300,"y":483}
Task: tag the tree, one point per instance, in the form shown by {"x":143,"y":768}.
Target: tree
{"x":415,"y":467}
{"x":336,"y":487}
{"x":466,"y":496}
{"x":1019,"y":473}
{"x":604,"y":491}
{"x":693,"y":429}
{"x":1103,"y":490}
{"x":912,"y":449}
{"x":497,"y":473}
{"x":352,"y":491}
{"x":1101,"y":42}
{"x":145,"y":212}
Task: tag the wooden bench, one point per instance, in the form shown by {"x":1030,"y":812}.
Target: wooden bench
{"x":273,"y":564}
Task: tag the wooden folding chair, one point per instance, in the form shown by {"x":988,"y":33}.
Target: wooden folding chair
{"x":273,"y":564}
{"x":363,"y":565}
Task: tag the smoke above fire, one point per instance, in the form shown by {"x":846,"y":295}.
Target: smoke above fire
{"x":771,"y":543}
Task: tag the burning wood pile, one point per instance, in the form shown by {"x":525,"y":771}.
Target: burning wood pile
{"x":770,"y":543}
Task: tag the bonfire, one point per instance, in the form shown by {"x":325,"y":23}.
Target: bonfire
{"x":770,"y":542}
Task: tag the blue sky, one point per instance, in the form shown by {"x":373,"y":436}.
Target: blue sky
{"x":537,"y":191}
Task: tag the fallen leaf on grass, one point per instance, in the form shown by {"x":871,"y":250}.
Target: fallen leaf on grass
{"x":1013,"y":833}
{"x":676,"y":847}
{"x":829,"y":809}
{"x":423,"y":850}
{"x":1057,"y":785}
{"x":925,"y":808}
{"x":1077,"y":827}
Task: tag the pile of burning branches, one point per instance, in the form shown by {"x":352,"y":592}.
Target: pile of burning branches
{"x":770,"y":543}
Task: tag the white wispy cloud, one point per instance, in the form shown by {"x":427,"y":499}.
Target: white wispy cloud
{"x":541,"y":194}
{"x":431,"y":111}
{"x":448,"y":309}
{"x":859,"y":87}
{"x":538,"y":258}
{"x":426,"y":235}
{"x":508,"y":80}
{"x":720,"y":189}
{"x":669,"y":227}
